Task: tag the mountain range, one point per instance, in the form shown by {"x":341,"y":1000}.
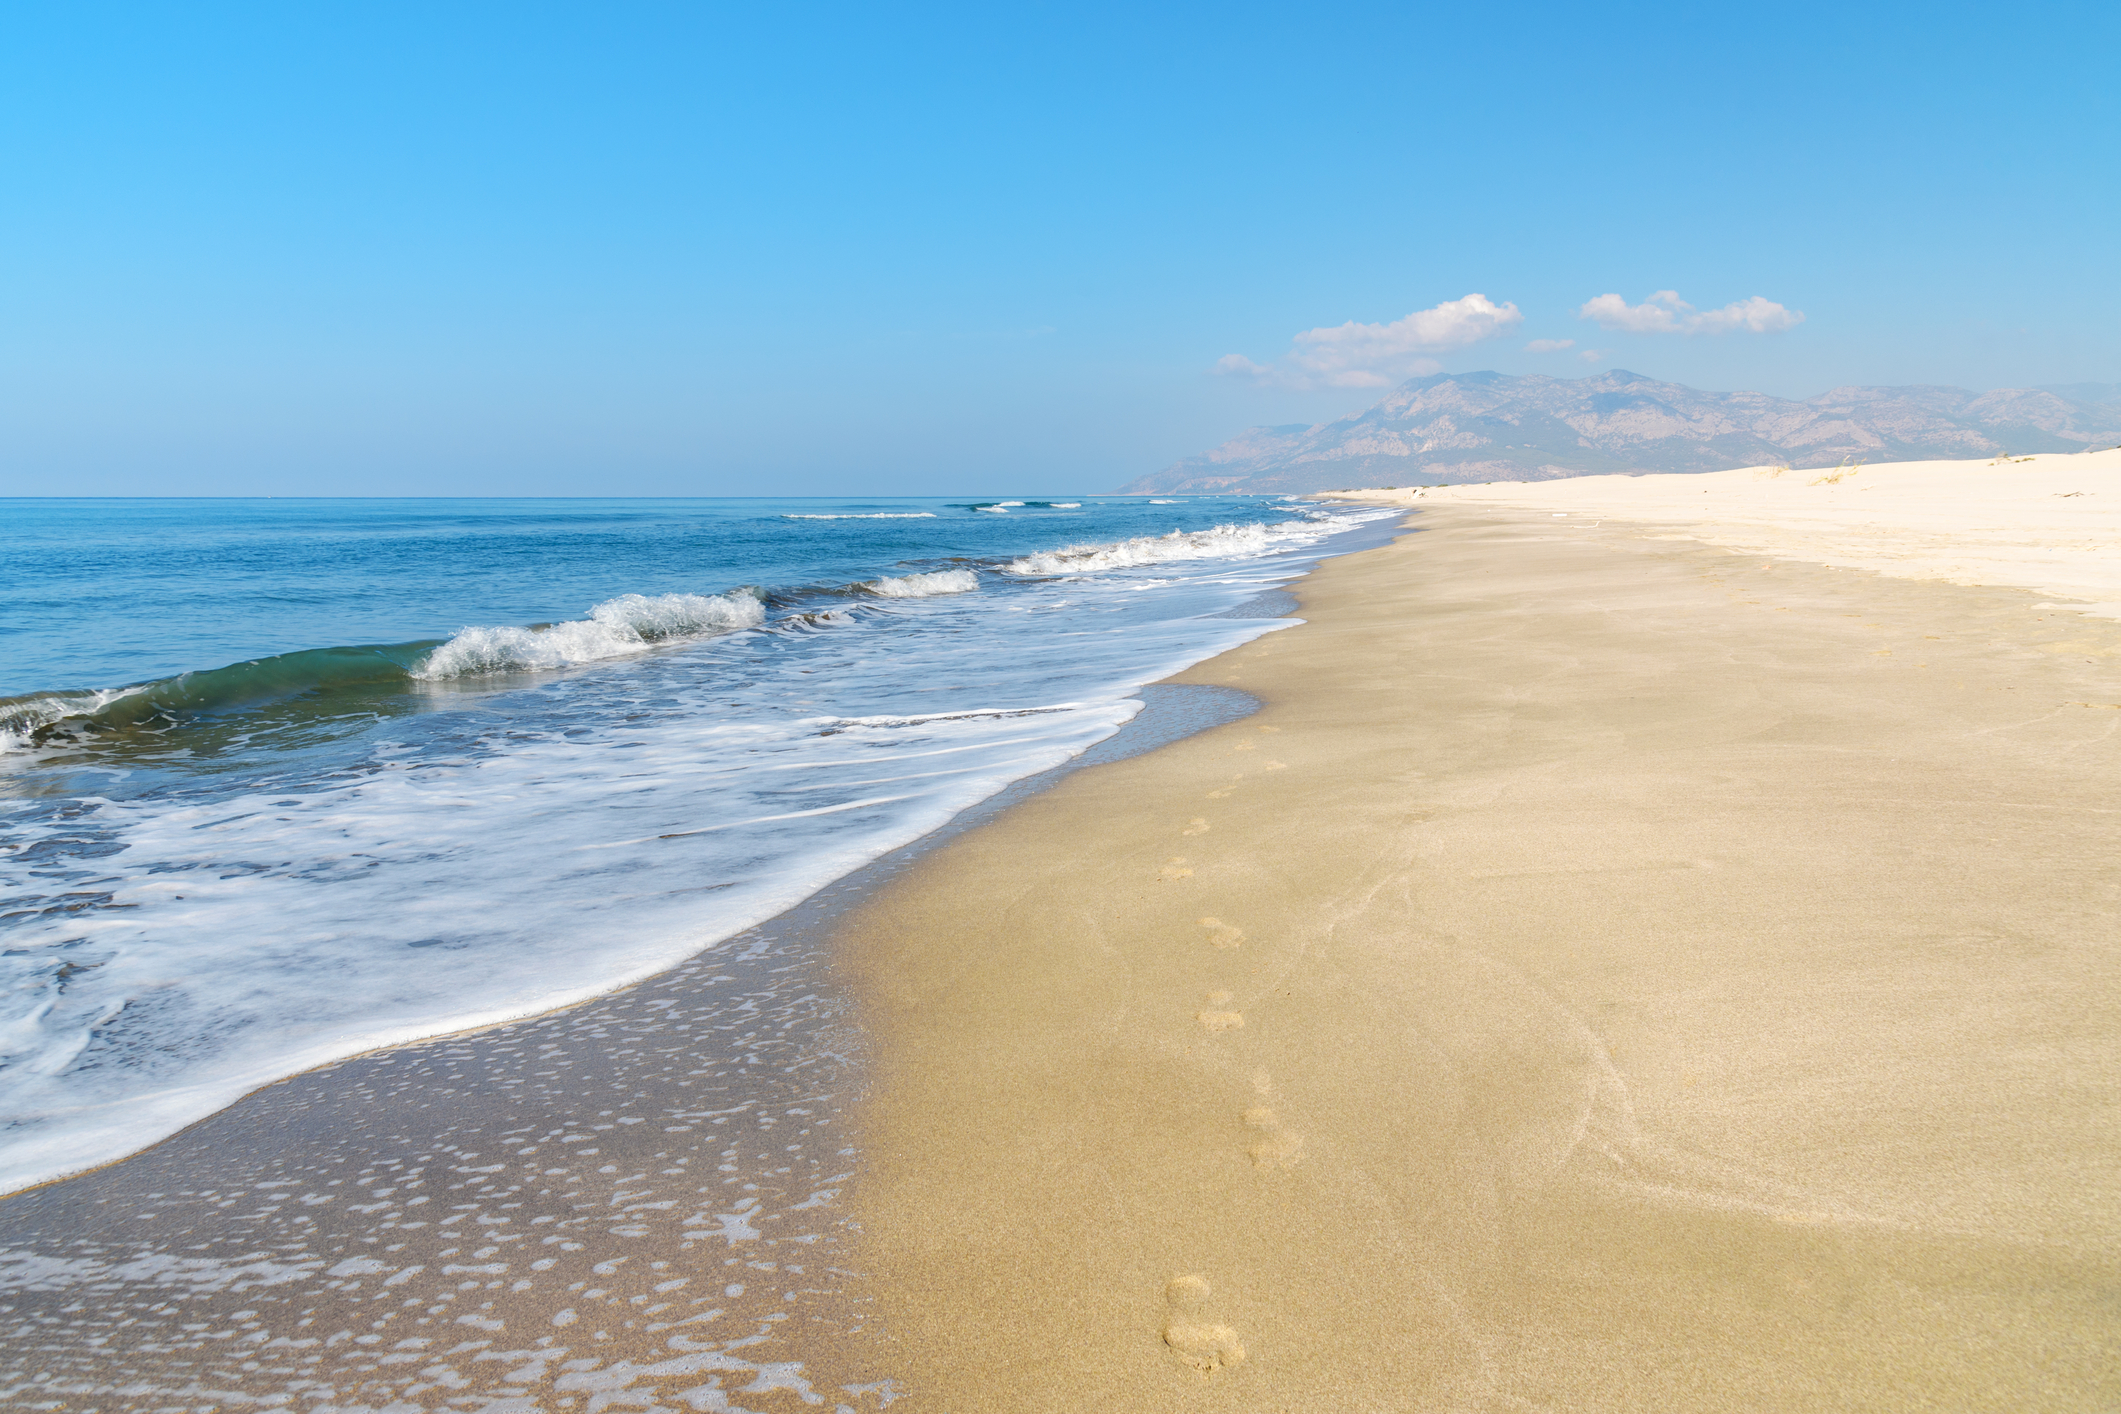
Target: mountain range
{"x":1459,"y":427}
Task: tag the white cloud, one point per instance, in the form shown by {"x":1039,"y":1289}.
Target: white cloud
{"x":1355,"y":355}
{"x":1549,"y":345}
{"x":1666,"y":313}
{"x":1593,"y":355}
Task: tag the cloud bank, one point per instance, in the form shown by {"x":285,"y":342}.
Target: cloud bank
{"x":1666,"y":313}
{"x":1356,"y":355}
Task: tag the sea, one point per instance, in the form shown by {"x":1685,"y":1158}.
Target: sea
{"x":287,"y":780}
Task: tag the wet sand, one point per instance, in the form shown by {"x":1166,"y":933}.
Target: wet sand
{"x":631,"y":1198}
{"x":1609,"y":973}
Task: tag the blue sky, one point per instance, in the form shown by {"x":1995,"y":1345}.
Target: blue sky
{"x":687,"y":249}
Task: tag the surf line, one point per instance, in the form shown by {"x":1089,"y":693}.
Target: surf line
{"x":755,"y":820}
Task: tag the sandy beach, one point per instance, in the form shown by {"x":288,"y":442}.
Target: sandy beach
{"x":1617,"y":969}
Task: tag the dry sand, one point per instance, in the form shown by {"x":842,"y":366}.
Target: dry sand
{"x":2050,"y":523}
{"x":1610,"y":973}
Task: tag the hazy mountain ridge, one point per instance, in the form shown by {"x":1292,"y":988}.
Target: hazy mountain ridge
{"x":1458,"y":427}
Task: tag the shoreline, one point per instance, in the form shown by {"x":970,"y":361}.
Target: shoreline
{"x":443,"y":1108}
{"x":1608,"y":972}
{"x":1168,"y":714}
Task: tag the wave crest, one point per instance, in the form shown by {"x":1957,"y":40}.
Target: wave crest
{"x":614,"y":629}
{"x":920,"y":586}
{"x":22,"y":719}
{"x":1212,"y":543}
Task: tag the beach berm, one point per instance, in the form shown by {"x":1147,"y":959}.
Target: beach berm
{"x":1613,"y":971}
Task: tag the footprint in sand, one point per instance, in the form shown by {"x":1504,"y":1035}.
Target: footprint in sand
{"x":1222,"y":934}
{"x":1193,"y":1333}
{"x":1216,"y":1019}
{"x":1175,"y":868}
{"x":1195,"y":826}
{"x":1277,"y":1148}
{"x":1246,"y":746}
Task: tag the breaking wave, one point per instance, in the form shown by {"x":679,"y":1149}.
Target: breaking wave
{"x":22,"y":718}
{"x":26,"y":721}
{"x":1213,"y":543}
{"x":920,"y":586}
{"x":615,"y":628}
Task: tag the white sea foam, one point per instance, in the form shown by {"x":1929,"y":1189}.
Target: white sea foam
{"x":614,"y":629}
{"x":21,"y":719}
{"x":921,"y":718}
{"x":869,"y":515}
{"x":920,"y":586}
{"x":1067,"y":505}
{"x":1214,"y":543}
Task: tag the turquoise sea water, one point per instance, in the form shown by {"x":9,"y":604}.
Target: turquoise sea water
{"x":286,"y":780}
